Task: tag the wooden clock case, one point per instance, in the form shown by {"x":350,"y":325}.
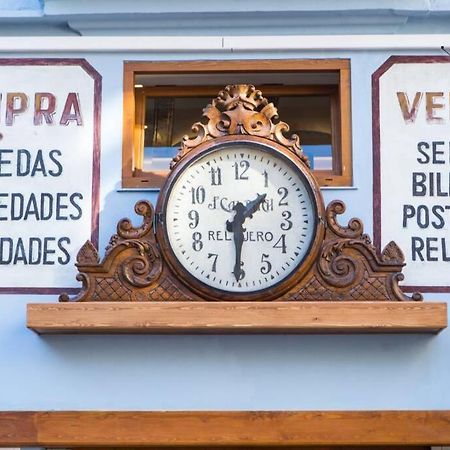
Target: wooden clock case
{"x":343,"y":270}
{"x":191,"y":282}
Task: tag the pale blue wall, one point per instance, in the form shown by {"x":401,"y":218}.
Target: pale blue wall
{"x":13,"y":8}
{"x":220,"y":372}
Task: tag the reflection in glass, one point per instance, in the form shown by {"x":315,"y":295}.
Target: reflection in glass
{"x":168,"y":119}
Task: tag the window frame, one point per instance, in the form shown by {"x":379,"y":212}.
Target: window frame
{"x":134,"y":104}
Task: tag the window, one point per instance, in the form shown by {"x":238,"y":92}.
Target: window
{"x":163,"y":99}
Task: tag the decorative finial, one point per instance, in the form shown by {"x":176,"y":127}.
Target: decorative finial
{"x":241,"y":109}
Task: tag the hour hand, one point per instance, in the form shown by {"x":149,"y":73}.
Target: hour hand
{"x":253,"y":206}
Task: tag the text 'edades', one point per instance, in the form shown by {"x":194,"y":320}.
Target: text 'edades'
{"x":49,"y":157}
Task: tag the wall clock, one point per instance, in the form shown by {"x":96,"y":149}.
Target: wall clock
{"x":240,"y":218}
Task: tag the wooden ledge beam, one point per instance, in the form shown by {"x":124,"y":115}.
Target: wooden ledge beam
{"x":237,"y":317}
{"x":230,"y":428}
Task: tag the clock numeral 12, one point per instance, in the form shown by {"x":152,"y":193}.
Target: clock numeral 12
{"x":240,"y":175}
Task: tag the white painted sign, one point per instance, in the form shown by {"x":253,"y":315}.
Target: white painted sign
{"x":412,"y":166}
{"x":49,"y":157}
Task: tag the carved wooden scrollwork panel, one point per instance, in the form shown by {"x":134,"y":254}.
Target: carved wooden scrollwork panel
{"x":348,"y":268}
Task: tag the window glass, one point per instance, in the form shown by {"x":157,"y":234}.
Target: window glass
{"x":168,"y":119}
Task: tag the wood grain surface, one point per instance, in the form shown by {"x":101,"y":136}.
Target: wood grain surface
{"x":201,"y":428}
{"x":237,"y":317}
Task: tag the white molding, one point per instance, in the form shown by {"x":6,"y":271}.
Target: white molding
{"x":109,"y":43}
{"x":227,"y":44}
{"x":80,"y":7}
{"x":343,"y":42}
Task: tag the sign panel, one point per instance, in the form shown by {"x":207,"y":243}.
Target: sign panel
{"x":49,"y":171}
{"x":412,"y":166}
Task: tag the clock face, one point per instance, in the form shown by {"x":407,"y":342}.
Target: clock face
{"x":240,"y":218}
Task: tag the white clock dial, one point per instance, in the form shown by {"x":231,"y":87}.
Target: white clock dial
{"x":240,"y":218}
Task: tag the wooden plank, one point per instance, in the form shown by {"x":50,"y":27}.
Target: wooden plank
{"x":17,"y":428}
{"x":229,"y":428}
{"x":211,"y":92}
{"x":128,"y":127}
{"x":276,"y":447}
{"x":345,"y":129}
{"x":233,"y":66}
{"x":237,"y":317}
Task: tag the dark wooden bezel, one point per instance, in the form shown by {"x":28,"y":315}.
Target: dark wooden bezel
{"x":209,"y":292}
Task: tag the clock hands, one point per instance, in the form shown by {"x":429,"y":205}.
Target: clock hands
{"x":253,"y":206}
{"x":238,"y":236}
{"x":236,"y":227}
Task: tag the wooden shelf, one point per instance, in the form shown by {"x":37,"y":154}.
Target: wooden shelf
{"x":236,"y":317}
{"x":225,"y":430}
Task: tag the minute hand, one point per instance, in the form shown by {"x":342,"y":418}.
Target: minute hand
{"x":236,"y":227}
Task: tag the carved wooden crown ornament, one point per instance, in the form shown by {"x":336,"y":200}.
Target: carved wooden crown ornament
{"x":141,"y":265}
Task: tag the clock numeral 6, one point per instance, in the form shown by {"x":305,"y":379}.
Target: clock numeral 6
{"x":197,"y":243}
{"x":194,"y":216}
{"x":267,"y":266}
{"x":198,"y":195}
{"x":287,"y":224}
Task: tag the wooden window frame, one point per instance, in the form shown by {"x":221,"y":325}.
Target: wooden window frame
{"x":134,"y":177}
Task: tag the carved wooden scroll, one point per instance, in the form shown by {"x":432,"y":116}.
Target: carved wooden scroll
{"x":348,"y":267}
{"x":240,"y":109}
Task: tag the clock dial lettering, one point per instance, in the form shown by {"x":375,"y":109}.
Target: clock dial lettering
{"x":198,"y":195}
{"x":266,"y":178}
{"x":284,"y":193}
{"x":267,"y":205}
{"x":197,"y":243}
{"x":281,"y":243}
{"x":267,"y":266}
{"x":214,"y":257}
{"x":216,"y":176}
{"x":287,"y":224}
{"x":195,"y":217}
{"x":241,"y":169}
